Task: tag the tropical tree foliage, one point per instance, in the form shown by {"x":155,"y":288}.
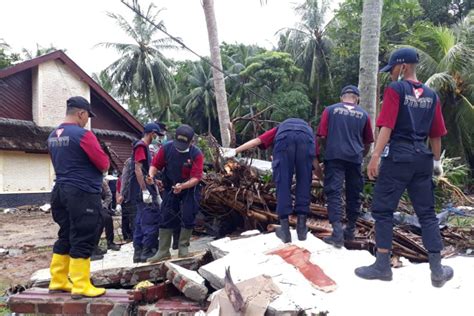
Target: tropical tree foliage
{"x":142,"y":73}
{"x":447,"y":65}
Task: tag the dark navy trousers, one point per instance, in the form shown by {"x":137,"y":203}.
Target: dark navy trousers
{"x":407,"y":166}
{"x":293,"y":154}
{"x":180,"y":210}
{"x":146,"y":226}
{"x":337,"y":171}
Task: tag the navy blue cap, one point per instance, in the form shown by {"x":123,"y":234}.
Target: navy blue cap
{"x":350,"y":89}
{"x":183,"y":138}
{"x":406,"y":55}
{"x":152,"y":128}
{"x":80,"y":103}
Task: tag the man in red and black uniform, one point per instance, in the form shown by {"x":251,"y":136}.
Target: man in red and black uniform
{"x":411,"y":113}
{"x":294,"y":152}
{"x":144,"y":196}
{"x":182,"y":166}
{"x":79,"y":164}
{"x":346,"y":133}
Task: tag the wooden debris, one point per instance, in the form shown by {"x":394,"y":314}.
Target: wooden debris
{"x":237,"y":188}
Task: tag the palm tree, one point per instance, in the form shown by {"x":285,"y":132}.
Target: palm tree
{"x":219,"y":84}
{"x":143,"y":72}
{"x":200,"y":101}
{"x":447,"y":65}
{"x":369,"y":55}
{"x":309,"y":45}
{"x":40,"y":50}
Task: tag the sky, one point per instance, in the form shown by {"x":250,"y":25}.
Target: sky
{"x":78,"y":26}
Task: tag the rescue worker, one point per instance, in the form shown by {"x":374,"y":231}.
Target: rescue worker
{"x":125,"y":205}
{"x":144,"y":196}
{"x":346,"y":134}
{"x":293,"y":153}
{"x":182,"y":166}
{"x":79,"y":163}
{"x":411,"y":113}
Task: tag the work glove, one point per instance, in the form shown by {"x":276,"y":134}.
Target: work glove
{"x":147,"y":198}
{"x":437,"y":168}
{"x":118,"y":209}
{"x":227,"y":152}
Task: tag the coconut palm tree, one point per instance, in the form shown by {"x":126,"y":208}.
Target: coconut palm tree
{"x":221,"y":97}
{"x":142,"y":72}
{"x":309,"y":45}
{"x":447,"y":65}
{"x":369,"y":55}
{"x":200,"y":102}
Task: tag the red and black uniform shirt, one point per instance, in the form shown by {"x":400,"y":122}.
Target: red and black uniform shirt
{"x":347,"y":129}
{"x":413,"y":112}
{"x":77,"y":157}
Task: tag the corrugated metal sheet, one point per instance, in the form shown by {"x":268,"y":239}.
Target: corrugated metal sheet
{"x":16,"y":96}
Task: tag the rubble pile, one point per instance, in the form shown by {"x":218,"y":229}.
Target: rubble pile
{"x":240,"y":188}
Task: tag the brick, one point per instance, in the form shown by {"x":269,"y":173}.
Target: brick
{"x":102,"y":308}
{"x":75,"y":307}
{"x":50,"y":308}
{"x":22,"y":307}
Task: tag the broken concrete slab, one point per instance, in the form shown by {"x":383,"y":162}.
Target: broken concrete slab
{"x":188,"y":282}
{"x":172,"y":306}
{"x":257,"y":293}
{"x":117,"y":268}
{"x":262,"y":243}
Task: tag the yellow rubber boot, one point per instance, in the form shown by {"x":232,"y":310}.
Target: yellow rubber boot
{"x":79,"y":272}
{"x":59,"y":269}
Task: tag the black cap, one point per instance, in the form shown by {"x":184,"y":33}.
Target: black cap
{"x":152,"y":128}
{"x":183,"y":138}
{"x":80,"y":103}
{"x":406,"y":55}
{"x":350,"y":89}
{"x":162,"y":126}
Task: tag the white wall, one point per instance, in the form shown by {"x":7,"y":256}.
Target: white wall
{"x":53,"y":83}
{"x":24,"y":172}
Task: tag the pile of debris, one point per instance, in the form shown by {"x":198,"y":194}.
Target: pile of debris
{"x":242,"y":189}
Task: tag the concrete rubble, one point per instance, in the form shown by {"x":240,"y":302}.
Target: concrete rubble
{"x":190,"y":283}
{"x":277,"y":283}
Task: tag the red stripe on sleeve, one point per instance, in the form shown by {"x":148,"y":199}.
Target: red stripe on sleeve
{"x":197,"y":167}
{"x":323,"y":125}
{"x":389,"y":112}
{"x":368,"y":133}
{"x":91,"y":147}
{"x":438,"y":128}
{"x":267,"y":138}
{"x":159,"y":161}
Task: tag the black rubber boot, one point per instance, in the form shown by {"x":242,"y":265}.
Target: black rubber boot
{"x":380,"y":270}
{"x":147,"y":253}
{"x":96,"y":255}
{"x":301,"y":228}
{"x":337,"y":237}
{"x":137,"y":253}
{"x":349,"y":231}
{"x":113,"y":246}
{"x":283,"y":232}
{"x":439,"y":274}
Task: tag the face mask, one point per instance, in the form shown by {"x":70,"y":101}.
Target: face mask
{"x":155,"y":141}
{"x":184,"y":151}
{"x":163,"y":139}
